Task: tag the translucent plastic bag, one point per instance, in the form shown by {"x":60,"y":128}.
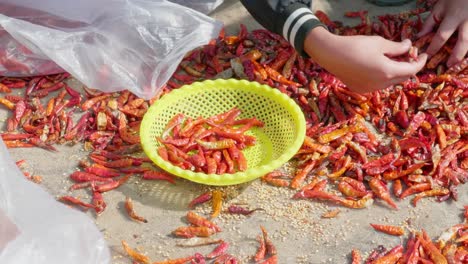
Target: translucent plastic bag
{"x":36,"y":229}
{"x":205,"y":7}
{"x":110,"y":45}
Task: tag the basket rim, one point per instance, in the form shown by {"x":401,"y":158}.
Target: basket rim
{"x":225,"y":179}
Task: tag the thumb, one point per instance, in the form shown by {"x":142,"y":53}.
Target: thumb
{"x":392,"y":48}
{"x":401,"y":69}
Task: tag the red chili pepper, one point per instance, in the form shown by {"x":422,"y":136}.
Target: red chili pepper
{"x":111,"y":185}
{"x":234,"y":209}
{"x":156,"y":175}
{"x":203,"y":198}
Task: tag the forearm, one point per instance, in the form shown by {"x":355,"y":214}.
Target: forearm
{"x":291,"y":19}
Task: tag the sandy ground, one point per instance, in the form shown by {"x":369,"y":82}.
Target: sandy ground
{"x":296,"y":228}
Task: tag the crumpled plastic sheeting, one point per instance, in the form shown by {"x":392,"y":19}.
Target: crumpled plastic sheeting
{"x":39,"y":230}
{"x":107,"y":45}
{"x":205,"y":7}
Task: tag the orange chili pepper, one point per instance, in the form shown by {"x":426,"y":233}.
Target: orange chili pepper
{"x":391,"y":257}
{"x":217,"y":203}
{"x":193,"y":231}
{"x":259,"y":70}
{"x":347,"y":189}
{"x":397,"y":188}
{"x":252,"y":55}
{"x":302,"y":173}
{"x":138,"y":257}
{"x":261,"y":250}
{"x":417,"y":188}
{"x":270,"y":248}
{"x":276,"y":76}
{"x":8,"y":104}
{"x":381,"y":191}
{"x":241,"y":162}
{"x":434,"y":192}
{"x":198,"y":220}
{"x":89,"y":103}
{"x":131,"y":211}
{"x":356,"y":257}
{"x":388,"y":229}
{"x":326,"y":138}
{"x":4,"y":88}
{"x":431,"y":249}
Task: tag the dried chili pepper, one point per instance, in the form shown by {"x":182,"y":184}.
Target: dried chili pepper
{"x":234,"y":209}
{"x":203,"y":198}
{"x":197,"y":220}
{"x":136,"y":256}
{"x":218,"y":132}
{"x":131,"y":212}
{"x":217,"y":203}
{"x":388,"y":229}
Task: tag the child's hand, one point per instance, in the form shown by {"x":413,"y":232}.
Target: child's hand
{"x":362,"y":62}
{"x":452,"y":15}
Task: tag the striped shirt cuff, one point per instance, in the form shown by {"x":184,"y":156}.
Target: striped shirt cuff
{"x":300,"y":20}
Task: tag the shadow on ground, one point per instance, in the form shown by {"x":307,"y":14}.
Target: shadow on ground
{"x":174,"y":197}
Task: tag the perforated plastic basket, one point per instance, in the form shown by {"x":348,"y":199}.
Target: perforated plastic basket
{"x":277,"y":142}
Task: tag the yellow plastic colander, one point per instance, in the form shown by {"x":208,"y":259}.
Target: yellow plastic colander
{"x":277,"y":142}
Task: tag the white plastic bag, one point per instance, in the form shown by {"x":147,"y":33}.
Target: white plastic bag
{"x":205,"y":6}
{"x":36,"y":229}
{"x":110,"y":45}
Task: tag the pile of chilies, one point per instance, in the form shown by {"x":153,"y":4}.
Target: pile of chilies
{"x":450,"y":247}
{"x":212,"y":145}
{"x":424,"y":118}
{"x":108,"y":125}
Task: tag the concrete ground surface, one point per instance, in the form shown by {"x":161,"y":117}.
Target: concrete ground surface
{"x":296,"y":228}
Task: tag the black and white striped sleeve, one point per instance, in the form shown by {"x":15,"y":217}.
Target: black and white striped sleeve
{"x":291,"y":19}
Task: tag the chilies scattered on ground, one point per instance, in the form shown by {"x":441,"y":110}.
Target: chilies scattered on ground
{"x":266,"y":252}
{"x":218,"y":255}
{"x":450,"y":247}
{"x":217,"y":197}
{"x":197,"y":234}
{"x":425,"y":119}
{"x":211,"y":145}
{"x":108,"y":126}
{"x":200,"y":227}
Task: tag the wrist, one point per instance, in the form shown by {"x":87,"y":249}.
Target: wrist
{"x":319,"y":44}
{"x":298,"y":22}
